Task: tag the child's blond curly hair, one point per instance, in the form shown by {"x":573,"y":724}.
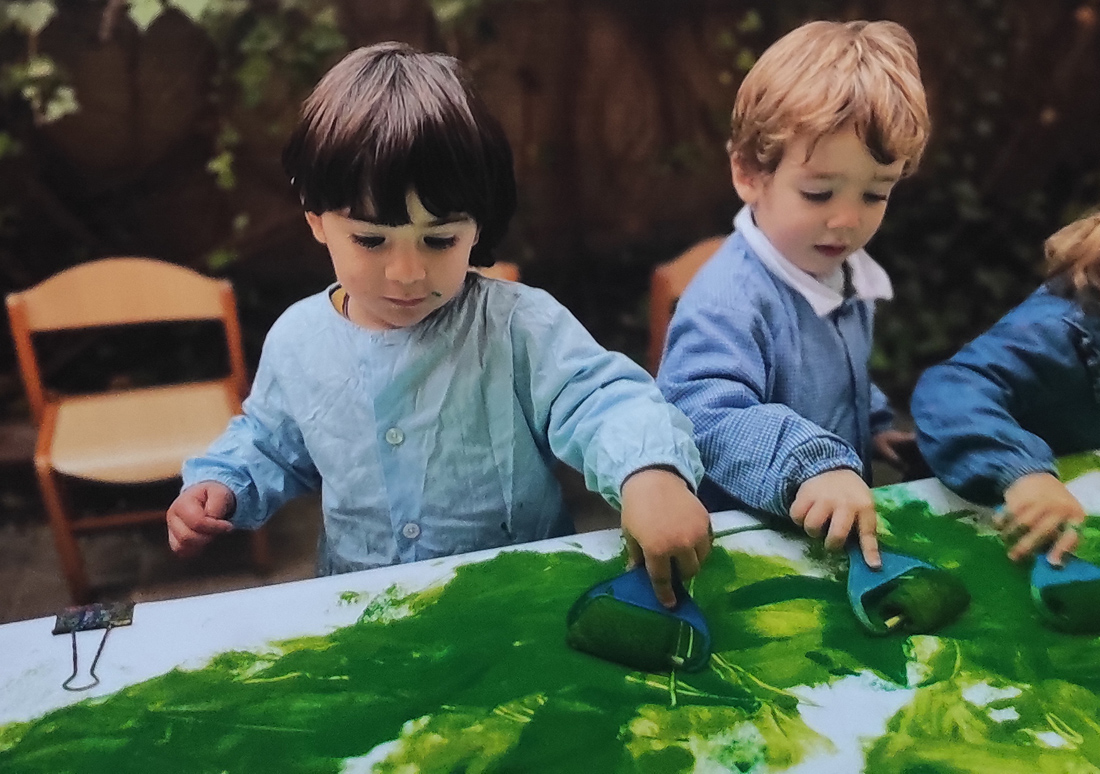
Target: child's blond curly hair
{"x":824,"y":76}
{"x":1073,"y":255}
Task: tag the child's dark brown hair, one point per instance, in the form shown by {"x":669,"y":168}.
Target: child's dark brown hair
{"x":388,"y":119}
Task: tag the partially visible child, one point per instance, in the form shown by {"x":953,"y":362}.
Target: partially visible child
{"x":429,"y":404}
{"x":991,"y":420}
{"x":767,"y":350}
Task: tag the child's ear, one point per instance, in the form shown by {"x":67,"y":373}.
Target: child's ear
{"x":746,"y":182}
{"x":317,"y":226}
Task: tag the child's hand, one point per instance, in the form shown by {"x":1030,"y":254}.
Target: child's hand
{"x":833,"y":502}
{"x":198,"y":515}
{"x":662,"y":520}
{"x":1040,"y":506}
{"x":885,"y":444}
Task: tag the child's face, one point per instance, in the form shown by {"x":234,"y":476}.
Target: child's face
{"x":395,"y":276}
{"x":820,"y":210}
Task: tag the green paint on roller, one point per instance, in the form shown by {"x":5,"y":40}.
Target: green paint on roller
{"x":633,"y":636}
{"x":1071,"y":607}
{"x":919,"y":601}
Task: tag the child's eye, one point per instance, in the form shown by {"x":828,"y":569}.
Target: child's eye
{"x":440,"y":243}
{"x":369,"y":241}
{"x":817,"y":196}
{"x":875,"y":198}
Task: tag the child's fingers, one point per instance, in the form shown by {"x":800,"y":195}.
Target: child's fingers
{"x":703,"y":545}
{"x":1065,"y":543}
{"x":660,"y":575}
{"x":211,"y":526}
{"x":183,"y":540}
{"x":687,"y":562}
{"x":840,"y":526}
{"x":188,"y":508}
{"x":817,"y":519}
{"x":799,"y":508}
{"x":219,"y":502}
{"x":634,"y":554}
{"x":886,"y":449}
{"x":867,"y":524}
{"x":1040,"y":533}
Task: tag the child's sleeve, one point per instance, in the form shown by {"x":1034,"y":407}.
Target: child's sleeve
{"x":599,"y":411}
{"x":967,"y":409}
{"x":261,"y":456}
{"x":718,"y":368}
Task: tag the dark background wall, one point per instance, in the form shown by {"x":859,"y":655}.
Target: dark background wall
{"x":617,"y":111}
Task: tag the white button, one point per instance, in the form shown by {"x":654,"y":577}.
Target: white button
{"x":394,"y":436}
{"x":411,"y":531}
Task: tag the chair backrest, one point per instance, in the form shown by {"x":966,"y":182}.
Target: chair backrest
{"x":666,"y":285}
{"x":504,"y":270}
{"x":116,"y":292}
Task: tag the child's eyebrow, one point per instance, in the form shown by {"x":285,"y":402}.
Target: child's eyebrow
{"x":831,"y":176}
{"x":444,"y":220}
{"x":457,"y":217}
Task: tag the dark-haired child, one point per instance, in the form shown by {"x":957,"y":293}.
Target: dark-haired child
{"x":429,"y":404}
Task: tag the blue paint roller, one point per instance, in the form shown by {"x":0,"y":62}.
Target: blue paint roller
{"x":906,"y":595}
{"x":1068,"y":597}
{"x":621,"y":620}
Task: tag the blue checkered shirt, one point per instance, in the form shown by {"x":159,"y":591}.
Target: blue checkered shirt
{"x":776,"y":393}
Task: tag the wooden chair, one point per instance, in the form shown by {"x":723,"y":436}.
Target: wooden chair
{"x":129,"y":436}
{"x":500,"y":270}
{"x":666,"y":285}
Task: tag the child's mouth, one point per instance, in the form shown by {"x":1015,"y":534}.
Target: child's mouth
{"x":831,"y":251}
{"x":406,"y":302}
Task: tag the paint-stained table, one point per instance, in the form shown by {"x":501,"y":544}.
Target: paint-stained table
{"x":459,"y":665}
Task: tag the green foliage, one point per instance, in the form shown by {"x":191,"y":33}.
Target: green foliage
{"x":27,"y":16}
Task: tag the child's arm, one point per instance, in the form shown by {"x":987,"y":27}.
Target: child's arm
{"x":969,"y":413}
{"x":967,"y":409}
{"x":602,"y":414}
{"x":261,"y":458}
{"x":718,"y":370}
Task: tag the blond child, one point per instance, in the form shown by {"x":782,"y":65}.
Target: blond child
{"x":991,"y":420}
{"x":429,"y":404}
{"x":767,"y":350}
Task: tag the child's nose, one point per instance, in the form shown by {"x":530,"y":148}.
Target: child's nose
{"x":844,"y":216}
{"x":406,"y":266}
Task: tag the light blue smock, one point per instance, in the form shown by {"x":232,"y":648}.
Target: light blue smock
{"x":440,"y":438}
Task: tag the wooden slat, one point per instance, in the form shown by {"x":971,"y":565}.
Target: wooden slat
{"x":121,"y":291}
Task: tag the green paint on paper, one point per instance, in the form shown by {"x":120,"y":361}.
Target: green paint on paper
{"x":1073,"y":465}
{"x":475,"y":676}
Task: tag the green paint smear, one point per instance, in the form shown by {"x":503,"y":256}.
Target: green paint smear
{"x":475,"y":676}
{"x":1073,"y":465}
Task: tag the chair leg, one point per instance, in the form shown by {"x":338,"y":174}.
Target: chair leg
{"x":68,"y":550}
{"x":261,"y":551}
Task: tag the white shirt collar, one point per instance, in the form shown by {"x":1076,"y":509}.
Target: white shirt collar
{"x":869,"y":280}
